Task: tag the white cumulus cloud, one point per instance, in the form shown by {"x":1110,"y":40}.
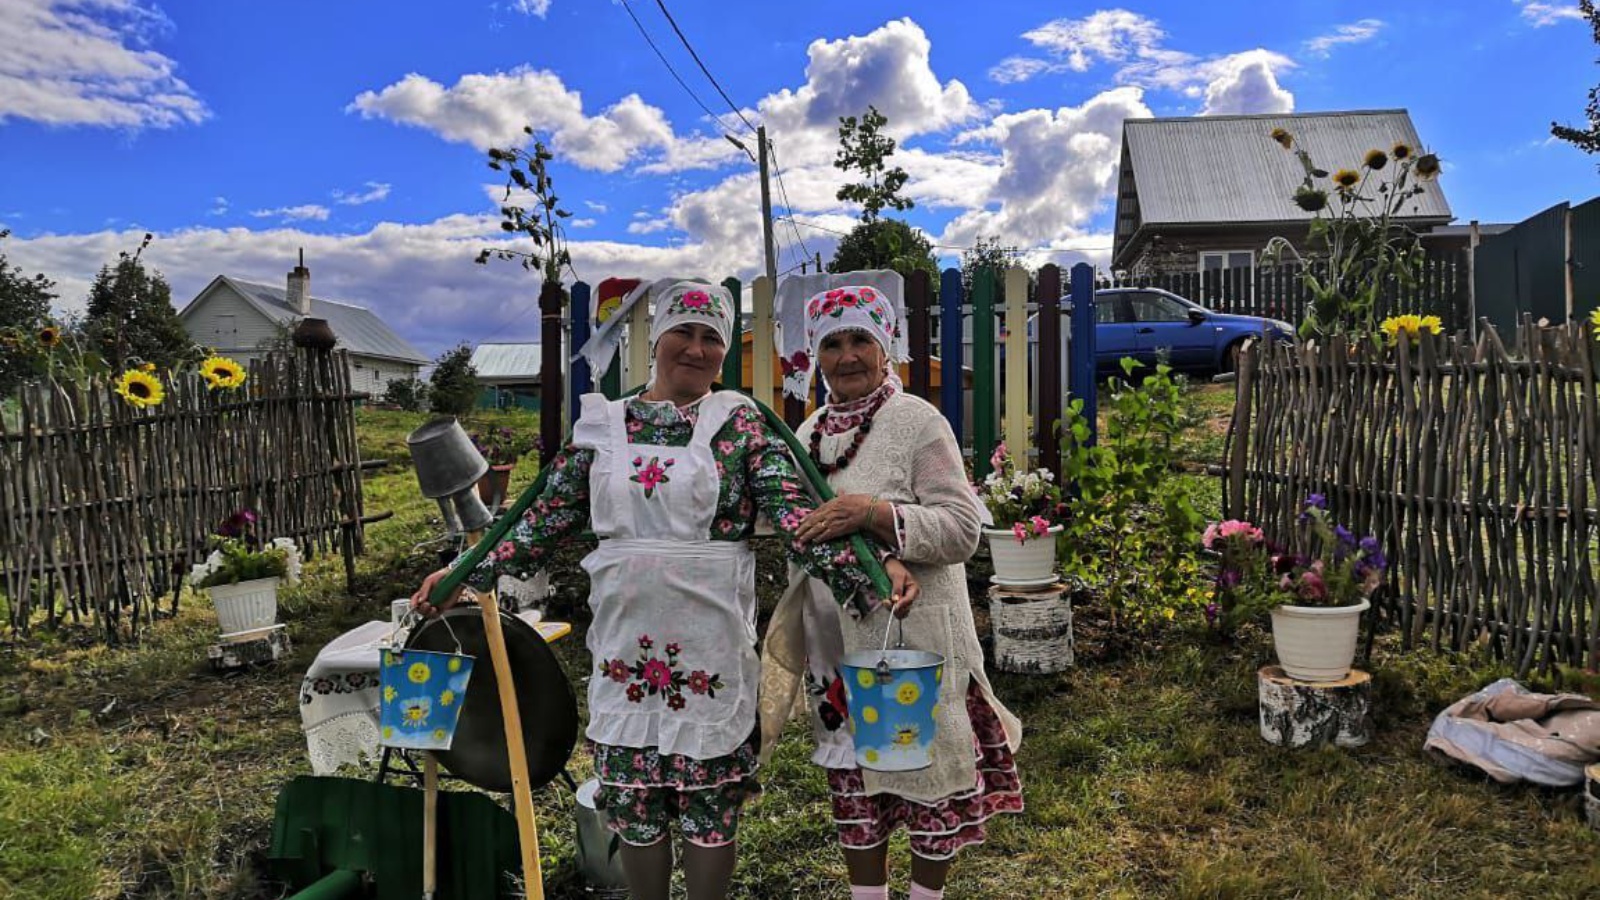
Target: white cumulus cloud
{"x":89,"y":62}
{"x":1246,"y":83}
{"x":531,"y":7}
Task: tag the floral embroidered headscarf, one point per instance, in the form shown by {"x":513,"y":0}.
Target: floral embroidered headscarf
{"x":851,"y":307}
{"x":697,"y":302}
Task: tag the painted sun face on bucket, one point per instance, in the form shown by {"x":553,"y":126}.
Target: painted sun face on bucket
{"x":906,"y":735}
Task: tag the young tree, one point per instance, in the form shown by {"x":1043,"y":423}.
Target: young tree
{"x":1585,"y":139}
{"x":453,"y":386}
{"x":526,"y":171}
{"x":131,"y":318}
{"x":987,"y":253}
{"x":864,"y":148}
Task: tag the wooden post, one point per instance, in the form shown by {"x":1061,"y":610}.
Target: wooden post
{"x":733,"y":364}
{"x":638,"y":367}
{"x":552,"y":301}
{"x":1298,"y":714}
{"x":918,"y":334}
{"x":1018,"y":410}
{"x":983,"y":380}
{"x":582,"y":378}
{"x":952,"y":366}
{"x":762,"y":293}
{"x":1082,"y":364}
{"x":1048,"y":378}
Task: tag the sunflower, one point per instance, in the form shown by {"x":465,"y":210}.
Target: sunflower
{"x":1594,"y":319}
{"x":1400,"y":151}
{"x":140,"y":388}
{"x":1310,"y":199}
{"x":148,"y":367}
{"x":222,"y":372}
{"x":1283,"y":137}
{"x":50,"y":335}
{"x":1346,"y":178}
{"x":1427,"y":166}
{"x":1375,"y":160}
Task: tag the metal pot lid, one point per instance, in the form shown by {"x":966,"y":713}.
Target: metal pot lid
{"x":545,"y":701}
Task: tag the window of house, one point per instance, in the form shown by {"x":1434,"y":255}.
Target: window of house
{"x":1212,"y":260}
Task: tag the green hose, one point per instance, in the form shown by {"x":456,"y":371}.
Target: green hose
{"x":502,"y":526}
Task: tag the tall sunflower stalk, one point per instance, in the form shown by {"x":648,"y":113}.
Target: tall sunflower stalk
{"x":1356,"y":245}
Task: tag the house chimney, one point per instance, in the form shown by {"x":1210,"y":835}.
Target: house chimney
{"x":299,"y":294}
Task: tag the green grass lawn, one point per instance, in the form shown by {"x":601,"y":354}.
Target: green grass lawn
{"x":135,"y":772}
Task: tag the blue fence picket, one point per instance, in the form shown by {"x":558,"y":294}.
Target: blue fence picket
{"x":1081,"y":367}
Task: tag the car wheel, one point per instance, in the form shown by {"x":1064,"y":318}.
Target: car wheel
{"x":1230,"y":357}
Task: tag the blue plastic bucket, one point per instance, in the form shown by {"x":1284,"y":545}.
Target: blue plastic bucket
{"x":893,"y":696}
{"x":422,"y":694}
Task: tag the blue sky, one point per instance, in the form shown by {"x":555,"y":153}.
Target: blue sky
{"x":240,"y":132}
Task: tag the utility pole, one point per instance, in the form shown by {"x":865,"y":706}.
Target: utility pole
{"x":766,"y":209}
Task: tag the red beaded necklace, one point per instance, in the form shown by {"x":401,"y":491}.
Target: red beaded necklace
{"x":850,"y":452}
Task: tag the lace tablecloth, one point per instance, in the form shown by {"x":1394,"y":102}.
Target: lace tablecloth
{"x":339,"y":696}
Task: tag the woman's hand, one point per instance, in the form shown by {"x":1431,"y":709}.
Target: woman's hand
{"x":904,"y":589}
{"x":419,"y":600}
{"x":844,"y":515}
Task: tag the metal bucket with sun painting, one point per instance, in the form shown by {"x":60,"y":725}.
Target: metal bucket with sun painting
{"x":893,"y":696}
{"x":422,"y":695}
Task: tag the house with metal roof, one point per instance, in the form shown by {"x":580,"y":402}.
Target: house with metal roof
{"x":243,"y":320}
{"x":509,"y":374}
{"x":1208,"y":192}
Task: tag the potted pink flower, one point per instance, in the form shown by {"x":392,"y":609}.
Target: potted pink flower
{"x":1023,"y":506}
{"x":1314,"y":597}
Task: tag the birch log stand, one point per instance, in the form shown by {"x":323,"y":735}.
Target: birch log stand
{"x":268,"y":645}
{"x":1303,"y":714}
{"x":1032,"y":629}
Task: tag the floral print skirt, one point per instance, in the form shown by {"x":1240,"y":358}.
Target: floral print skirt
{"x":643,"y":791}
{"x":938,"y":830}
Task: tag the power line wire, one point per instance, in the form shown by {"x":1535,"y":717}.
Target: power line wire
{"x":675,"y":75}
{"x":783,"y":190}
{"x":707,"y":72}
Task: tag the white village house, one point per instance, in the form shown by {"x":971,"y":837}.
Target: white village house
{"x":242,"y":319}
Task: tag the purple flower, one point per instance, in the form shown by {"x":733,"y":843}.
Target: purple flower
{"x":1345,"y":536}
{"x":237,"y":524}
{"x":1228,"y":579}
{"x":1370,"y":545}
{"x":1316,"y":501}
{"x":1212,"y":610}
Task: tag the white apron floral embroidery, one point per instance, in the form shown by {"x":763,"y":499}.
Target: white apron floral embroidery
{"x":674,"y":631}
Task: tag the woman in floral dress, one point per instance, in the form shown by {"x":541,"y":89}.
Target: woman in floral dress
{"x":896,"y":468}
{"x":672,"y":481}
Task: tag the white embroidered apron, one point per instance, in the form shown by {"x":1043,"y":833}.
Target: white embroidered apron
{"x":674,"y":629}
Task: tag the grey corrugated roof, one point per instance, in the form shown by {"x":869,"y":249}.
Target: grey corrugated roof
{"x":507,"y":361}
{"x":1226,"y":169}
{"x":358,"y":329}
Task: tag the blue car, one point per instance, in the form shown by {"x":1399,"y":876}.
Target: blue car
{"x":1141,"y":322}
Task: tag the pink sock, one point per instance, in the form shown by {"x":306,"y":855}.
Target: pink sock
{"x":918,"y":892}
{"x":871,"y":892}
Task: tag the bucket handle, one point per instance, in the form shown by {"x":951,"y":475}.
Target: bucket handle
{"x":412,"y":617}
{"x":883,"y":670}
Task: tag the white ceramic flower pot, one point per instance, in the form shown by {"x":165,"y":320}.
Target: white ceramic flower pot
{"x":1032,"y":560}
{"x":247,"y":605}
{"x":1316,"y":643}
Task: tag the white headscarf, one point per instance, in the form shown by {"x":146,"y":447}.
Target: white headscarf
{"x":694,"y":302}
{"x":601,"y":347}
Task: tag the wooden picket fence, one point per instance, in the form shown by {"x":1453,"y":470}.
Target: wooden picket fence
{"x":1477,"y":465}
{"x":1033,"y":378}
{"x":104,"y":507}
